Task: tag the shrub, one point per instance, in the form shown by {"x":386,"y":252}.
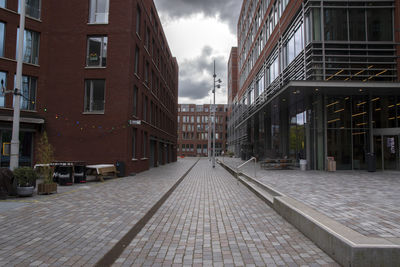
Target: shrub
{"x":25,"y":176}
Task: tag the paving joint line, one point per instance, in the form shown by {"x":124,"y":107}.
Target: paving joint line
{"x":113,"y":254}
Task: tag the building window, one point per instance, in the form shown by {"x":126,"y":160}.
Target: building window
{"x":147,"y":43}
{"x":137,"y":54}
{"x":144,"y":145}
{"x":31,"y":46}
{"x":380,"y":24}
{"x":98,"y":11}
{"x":2,"y":38}
{"x":3,"y":3}
{"x":135,"y":98}
{"x":146,"y":73}
{"x":335,"y":25}
{"x":94,"y":95}
{"x":32,"y":8}
{"x":134,"y":144}
{"x":3,"y":77}
{"x":144,"y":113}
{"x":28,"y":91}
{"x":97,"y":51}
{"x":138,"y":19}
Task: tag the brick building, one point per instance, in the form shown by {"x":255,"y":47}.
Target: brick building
{"x":232,"y":92}
{"x":101,"y":81}
{"x":195,"y":128}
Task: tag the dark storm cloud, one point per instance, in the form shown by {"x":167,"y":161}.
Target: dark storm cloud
{"x":228,"y":10}
{"x":195,"y":77}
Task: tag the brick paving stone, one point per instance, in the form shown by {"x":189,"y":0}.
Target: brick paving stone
{"x":367,"y":202}
{"x":79,"y":226}
{"x":211,"y":220}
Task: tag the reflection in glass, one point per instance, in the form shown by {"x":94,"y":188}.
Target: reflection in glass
{"x":335,"y":24}
{"x":3,"y":77}
{"x":98,"y":12}
{"x":94,"y":95}
{"x":339,"y":147}
{"x":379,"y":24}
{"x":357,"y":24}
{"x":2,"y":37}
{"x":97,"y":51}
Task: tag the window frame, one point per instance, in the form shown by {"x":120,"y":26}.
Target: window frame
{"x":101,"y":51}
{"x":93,"y":20}
{"x":91,"y":111}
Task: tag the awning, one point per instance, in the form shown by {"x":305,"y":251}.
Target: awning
{"x":23,"y":120}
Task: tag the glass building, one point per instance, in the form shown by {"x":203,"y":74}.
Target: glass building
{"x":318,"y":79}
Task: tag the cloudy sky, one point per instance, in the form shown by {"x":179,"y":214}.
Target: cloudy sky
{"x":199,"y":32}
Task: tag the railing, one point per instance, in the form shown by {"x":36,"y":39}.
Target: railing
{"x":255,"y":166}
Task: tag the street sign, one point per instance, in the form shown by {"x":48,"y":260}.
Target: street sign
{"x":135,"y":122}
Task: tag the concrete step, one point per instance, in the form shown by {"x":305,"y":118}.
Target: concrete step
{"x":346,"y":246}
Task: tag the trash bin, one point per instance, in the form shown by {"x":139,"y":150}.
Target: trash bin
{"x":371,"y":162}
{"x":120,"y":166}
{"x":79,"y":174}
{"x":331,"y":164}
{"x":303,"y":164}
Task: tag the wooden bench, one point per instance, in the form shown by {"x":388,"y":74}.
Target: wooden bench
{"x":102,"y":170}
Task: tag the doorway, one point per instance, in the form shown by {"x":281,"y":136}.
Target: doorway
{"x":387,"y":152}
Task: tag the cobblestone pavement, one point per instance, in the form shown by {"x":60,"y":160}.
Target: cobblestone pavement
{"x":212,"y":220}
{"x":369,"y":203}
{"x":79,"y":226}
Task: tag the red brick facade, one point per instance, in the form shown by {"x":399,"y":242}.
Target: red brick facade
{"x":193,"y":129}
{"x":137,"y":124}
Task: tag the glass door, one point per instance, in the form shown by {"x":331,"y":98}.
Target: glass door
{"x":391,"y":152}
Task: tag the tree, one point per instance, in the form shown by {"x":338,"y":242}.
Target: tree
{"x":45,"y":155}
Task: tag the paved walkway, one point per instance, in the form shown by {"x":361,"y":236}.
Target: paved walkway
{"x":369,"y":203}
{"x":79,"y":226}
{"x":212,"y":220}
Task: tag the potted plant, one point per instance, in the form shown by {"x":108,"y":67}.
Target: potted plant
{"x":26,"y":181}
{"x":45,"y":158}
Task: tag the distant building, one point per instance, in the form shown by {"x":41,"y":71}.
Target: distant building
{"x":319,"y":79}
{"x":194,"y":132}
{"x":99,"y":77}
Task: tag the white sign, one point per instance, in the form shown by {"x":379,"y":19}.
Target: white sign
{"x":135,"y":122}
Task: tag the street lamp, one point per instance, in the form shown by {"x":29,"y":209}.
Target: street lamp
{"x":14,"y":155}
{"x":214,"y":110}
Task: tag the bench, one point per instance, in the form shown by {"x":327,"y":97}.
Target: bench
{"x":102,"y":170}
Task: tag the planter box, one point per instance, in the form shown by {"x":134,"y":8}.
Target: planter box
{"x":25,"y":191}
{"x":47,"y":188}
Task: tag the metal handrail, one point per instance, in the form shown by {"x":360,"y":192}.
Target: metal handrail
{"x":255,"y":166}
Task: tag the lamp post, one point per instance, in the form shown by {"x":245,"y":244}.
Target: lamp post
{"x":214,"y":119}
{"x":209,"y":133}
{"x":14,"y":155}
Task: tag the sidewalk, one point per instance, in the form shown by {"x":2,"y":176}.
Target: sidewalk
{"x":79,"y":226}
{"x":212,"y":220}
{"x":368,"y":203}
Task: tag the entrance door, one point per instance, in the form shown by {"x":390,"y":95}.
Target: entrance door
{"x":387,"y":152}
